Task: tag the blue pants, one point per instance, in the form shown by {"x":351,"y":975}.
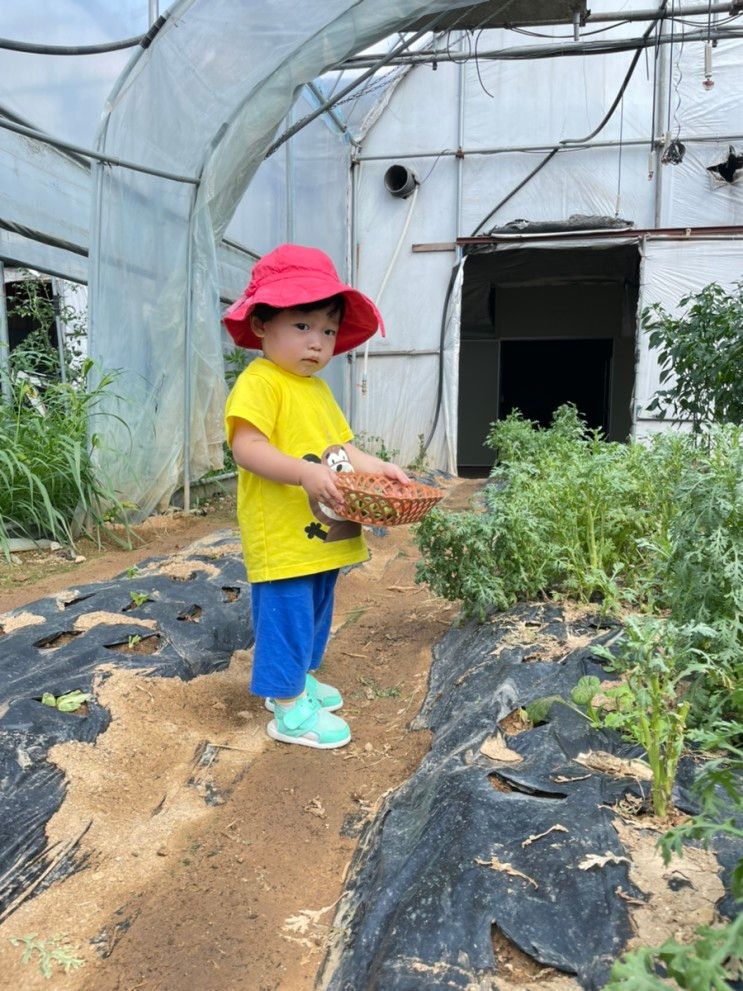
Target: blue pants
{"x":291,"y":623}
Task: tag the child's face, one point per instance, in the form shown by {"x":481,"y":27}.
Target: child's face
{"x":298,"y":342}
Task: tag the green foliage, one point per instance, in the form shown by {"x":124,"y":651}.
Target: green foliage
{"x":701,"y":570}
{"x":701,"y":353}
{"x":458,"y":560}
{"x":584,"y":692}
{"x":655,"y":526}
{"x":717,"y":786}
{"x":376,"y":446}
{"x":69,"y":702}
{"x":566,"y":512}
{"x":49,"y":954}
{"x":138,"y":598}
{"x":583,"y":695}
{"x":235,"y":361}
{"x":655,"y":661}
{"x":49,"y":482}
{"x":419,"y":464}
{"x":711,"y":963}
{"x":538,"y":711}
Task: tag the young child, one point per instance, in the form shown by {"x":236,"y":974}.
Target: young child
{"x":289,"y":438}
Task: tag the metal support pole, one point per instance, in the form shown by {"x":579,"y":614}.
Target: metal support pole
{"x":188,"y":336}
{"x":60,"y":329}
{"x":460,"y":153}
{"x":153,"y":11}
{"x":509,"y":149}
{"x":661,"y":98}
{"x":354,"y":274}
{"x":289,"y":163}
{"x":4,"y":338}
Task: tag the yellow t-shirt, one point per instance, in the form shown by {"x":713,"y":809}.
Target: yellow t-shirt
{"x":283,"y":536}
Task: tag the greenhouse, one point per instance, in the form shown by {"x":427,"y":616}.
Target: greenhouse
{"x":531,"y":220}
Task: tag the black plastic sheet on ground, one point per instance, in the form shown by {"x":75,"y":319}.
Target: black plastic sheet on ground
{"x":200,"y":620}
{"x":444,"y":860}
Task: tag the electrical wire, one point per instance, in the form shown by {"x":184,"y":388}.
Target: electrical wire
{"x":570,"y":141}
{"x":477,"y":66}
{"x":564,"y":37}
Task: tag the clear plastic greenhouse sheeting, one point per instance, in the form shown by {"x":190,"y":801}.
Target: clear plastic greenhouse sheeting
{"x":64,"y":95}
{"x":204,"y":100}
{"x":670,"y":270}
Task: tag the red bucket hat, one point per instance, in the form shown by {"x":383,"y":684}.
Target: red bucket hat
{"x":292,"y":274}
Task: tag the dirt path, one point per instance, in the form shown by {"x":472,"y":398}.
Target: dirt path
{"x":212,"y":851}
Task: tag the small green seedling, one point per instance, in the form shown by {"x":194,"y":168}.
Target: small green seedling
{"x":537,"y":712}
{"x":51,"y":953}
{"x":138,"y":598}
{"x":70,"y":702}
{"x":132,"y":571}
{"x":373,"y":690}
{"x":133,"y":640}
{"x":583,"y":695}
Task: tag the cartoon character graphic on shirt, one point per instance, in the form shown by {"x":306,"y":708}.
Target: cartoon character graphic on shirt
{"x":334,"y":457}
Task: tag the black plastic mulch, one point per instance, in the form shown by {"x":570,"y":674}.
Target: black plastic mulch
{"x":422,"y":898}
{"x":200,"y":622}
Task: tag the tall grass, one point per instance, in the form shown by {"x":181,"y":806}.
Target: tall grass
{"x":49,"y":483}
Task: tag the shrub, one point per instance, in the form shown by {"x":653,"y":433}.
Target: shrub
{"x":701,"y":355}
{"x":566,"y":513}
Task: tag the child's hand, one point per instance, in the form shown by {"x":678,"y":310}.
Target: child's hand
{"x":395,"y":472}
{"x":318,"y":481}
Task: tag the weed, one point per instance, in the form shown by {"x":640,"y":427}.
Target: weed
{"x":419,"y":464}
{"x":50,"y":953}
{"x":373,"y":690}
{"x":49,"y":482}
{"x":376,"y":446}
{"x":70,"y":702}
{"x":712,"y":963}
{"x":655,"y":660}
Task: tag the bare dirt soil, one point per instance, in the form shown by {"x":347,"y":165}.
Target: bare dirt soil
{"x":213,"y":851}
{"x":214,"y":857}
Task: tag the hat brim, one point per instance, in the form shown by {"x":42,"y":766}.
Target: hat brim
{"x":361,"y":318}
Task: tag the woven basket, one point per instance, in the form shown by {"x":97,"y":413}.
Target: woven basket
{"x":379,"y":501}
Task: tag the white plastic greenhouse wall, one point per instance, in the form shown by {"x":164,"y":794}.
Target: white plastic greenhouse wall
{"x":222,"y":79}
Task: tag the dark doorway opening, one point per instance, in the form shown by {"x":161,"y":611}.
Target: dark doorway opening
{"x":538,"y":376}
{"x":543,"y":325}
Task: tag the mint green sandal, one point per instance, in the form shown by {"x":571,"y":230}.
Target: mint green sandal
{"x":307,"y":723}
{"x":328,"y":697}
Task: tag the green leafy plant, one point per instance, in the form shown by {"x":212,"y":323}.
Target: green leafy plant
{"x":718,"y":788}
{"x":138,"y":598}
{"x":701,"y":572}
{"x":566,"y":513}
{"x":50,"y":485}
{"x":711,"y":963}
{"x":701,"y":355}
{"x":419,"y":463}
{"x":133,"y":640}
{"x":132,"y":571}
{"x":582,"y":696}
{"x":655,"y":661}
{"x":376,"y":446}
{"x":49,"y":954}
{"x":69,"y":702}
